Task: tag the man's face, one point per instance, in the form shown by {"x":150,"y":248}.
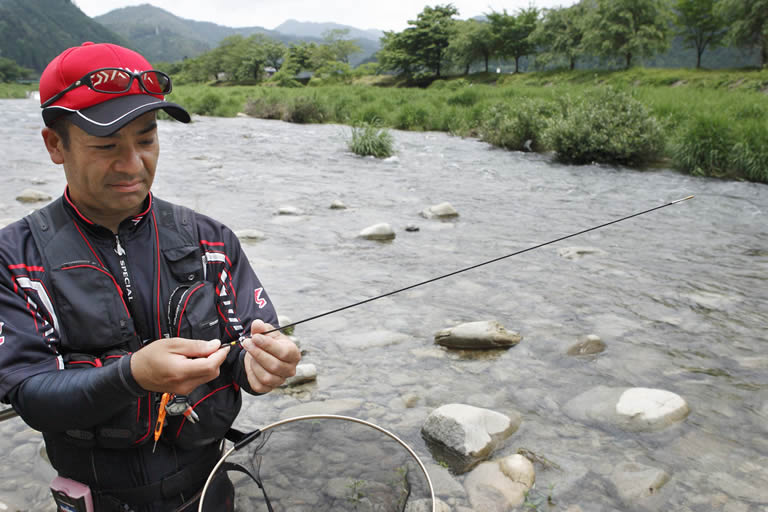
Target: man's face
{"x":109,"y":177}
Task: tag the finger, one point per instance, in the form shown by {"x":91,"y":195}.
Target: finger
{"x":279,"y":346}
{"x":192,"y":348}
{"x":259,"y":326}
{"x":261,"y":380}
{"x":271,"y":362}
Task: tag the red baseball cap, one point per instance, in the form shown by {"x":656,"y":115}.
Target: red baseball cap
{"x":99,"y":113}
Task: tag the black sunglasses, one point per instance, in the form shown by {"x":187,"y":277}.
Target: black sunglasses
{"x":117,"y":81}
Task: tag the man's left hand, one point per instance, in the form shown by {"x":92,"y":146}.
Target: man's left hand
{"x":270,"y":358}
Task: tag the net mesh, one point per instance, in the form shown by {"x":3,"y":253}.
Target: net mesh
{"x":325,"y":464}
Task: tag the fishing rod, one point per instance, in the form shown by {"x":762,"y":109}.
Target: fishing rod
{"x":465,"y":269}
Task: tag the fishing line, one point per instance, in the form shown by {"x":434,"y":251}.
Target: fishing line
{"x":432,"y":280}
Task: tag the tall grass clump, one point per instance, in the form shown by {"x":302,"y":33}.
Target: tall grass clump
{"x":517,"y":126}
{"x":265,"y":107}
{"x":704,"y":146}
{"x":306,"y":109}
{"x":605,"y":126}
{"x":370,"y":139}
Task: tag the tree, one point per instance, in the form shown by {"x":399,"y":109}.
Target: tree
{"x":560,"y":33}
{"x":511,"y":34}
{"x":10,"y":71}
{"x":339,"y":48}
{"x":700,"y":25}
{"x":471,"y":42}
{"x":627,"y":28}
{"x":748,"y":24}
{"x":423,"y":45}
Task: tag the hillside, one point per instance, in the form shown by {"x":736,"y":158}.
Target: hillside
{"x":163,"y":36}
{"x":32,"y":32}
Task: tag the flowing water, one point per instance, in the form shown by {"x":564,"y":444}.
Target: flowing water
{"x":680,"y":297}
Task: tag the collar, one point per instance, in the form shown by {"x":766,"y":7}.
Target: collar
{"x":130,"y":224}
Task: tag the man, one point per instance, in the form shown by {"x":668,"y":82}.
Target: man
{"x":113,"y":302}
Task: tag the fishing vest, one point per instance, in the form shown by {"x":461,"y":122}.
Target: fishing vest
{"x":96,"y":328}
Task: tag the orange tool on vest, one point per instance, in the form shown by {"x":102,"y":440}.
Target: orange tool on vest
{"x":160,"y":418}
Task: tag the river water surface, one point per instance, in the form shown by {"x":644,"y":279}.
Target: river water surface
{"x":679,"y":296}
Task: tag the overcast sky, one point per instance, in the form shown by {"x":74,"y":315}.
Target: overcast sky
{"x":381,"y":14}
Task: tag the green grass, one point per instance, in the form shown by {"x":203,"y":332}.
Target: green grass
{"x":369,"y":139}
{"x":15,"y":91}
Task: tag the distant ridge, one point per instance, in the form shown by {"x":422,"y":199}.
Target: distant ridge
{"x":33,"y":32}
{"x":316,"y":29}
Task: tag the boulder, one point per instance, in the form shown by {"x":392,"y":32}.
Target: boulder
{"x":382,"y":231}
{"x":338,"y":205}
{"x":477,"y":335}
{"x":32,"y":196}
{"x":500,"y":485}
{"x":440,"y":211}
{"x":467,"y":430}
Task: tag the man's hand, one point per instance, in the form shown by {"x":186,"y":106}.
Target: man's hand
{"x":270,"y":358}
{"x":177,"y":365}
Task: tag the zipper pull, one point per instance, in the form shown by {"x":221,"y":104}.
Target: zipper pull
{"x":118,"y":247}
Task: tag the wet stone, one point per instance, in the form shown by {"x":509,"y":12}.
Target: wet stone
{"x":32,"y":196}
{"x":381,"y":231}
{"x":591,"y":345}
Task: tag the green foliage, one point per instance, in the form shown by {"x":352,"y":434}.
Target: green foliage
{"x":10,"y":71}
{"x":517,"y":125}
{"x":370,"y":139}
{"x":412,"y":117}
{"x":627,"y":28}
{"x":265,"y":107}
{"x":605,"y":126}
{"x":700,"y":24}
{"x":423,"y":45}
{"x":748,"y":21}
{"x":560,"y":34}
{"x":306,"y":109}
{"x":472,"y":41}
{"x":511,"y":35}
{"x":704,"y":145}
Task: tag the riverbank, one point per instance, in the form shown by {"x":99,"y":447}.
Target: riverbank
{"x":701,"y":122}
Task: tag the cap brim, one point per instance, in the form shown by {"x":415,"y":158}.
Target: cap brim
{"x":109,"y":116}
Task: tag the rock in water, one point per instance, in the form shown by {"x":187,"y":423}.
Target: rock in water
{"x":592,"y":344}
{"x":32,"y":196}
{"x":500,"y":485}
{"x":467,"y":430}
{"x":440,"y":211}
{"x":338,"y":205}
{"x":382,"y":231}
{"x":576,"y":253}
{"x":477,"y":335}
{"x":651,"y":409}
{"x":249,"y":235}
{"x":289,"y":210}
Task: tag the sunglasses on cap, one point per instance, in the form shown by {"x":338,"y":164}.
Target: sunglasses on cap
{"x":117,"y":81}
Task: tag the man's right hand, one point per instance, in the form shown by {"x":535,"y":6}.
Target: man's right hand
{"x":177,"y":365}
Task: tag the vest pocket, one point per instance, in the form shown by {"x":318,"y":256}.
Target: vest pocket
{"x":105,"y":322}
{"x":192,"y":312}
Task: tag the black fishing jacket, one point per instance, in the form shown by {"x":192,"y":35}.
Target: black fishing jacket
{"x":76,"y":301}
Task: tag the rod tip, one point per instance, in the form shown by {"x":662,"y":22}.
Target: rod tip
{"x":683,"y":199}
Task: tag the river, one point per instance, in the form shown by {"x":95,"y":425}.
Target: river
{"x":679,"y":296}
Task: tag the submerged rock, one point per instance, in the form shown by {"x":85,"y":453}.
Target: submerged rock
{"x":477,"y":335}
{"x":440,"y":211}
{"x":500,"y":485}
{"x":32,"y":196}
{"x":576,"y":253}
{"x":467,"y":430}
{"x":382,"y":231}
{"x":635,"y":482}
{"x":591,"y":345}
{"x":249,"y":235}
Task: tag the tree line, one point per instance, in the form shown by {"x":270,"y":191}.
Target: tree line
{"x":622,"y":30}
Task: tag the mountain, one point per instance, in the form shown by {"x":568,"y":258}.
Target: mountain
{"x":32,"y":32}
{"x":312,"y":29}
{"x":162,"y":36}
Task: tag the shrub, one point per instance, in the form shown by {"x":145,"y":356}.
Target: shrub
{"x":750,"y":153}
{"x":265,"y":107}
{"x":517,"y":126}
{"x":369,"y":139}
{"x":605,"y":126}
{"x":305,"y":109}
{"x":465,"y":97}
{"x":206,"y":104}
{"x":411,"y":117}
{"x":704,"y":146}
